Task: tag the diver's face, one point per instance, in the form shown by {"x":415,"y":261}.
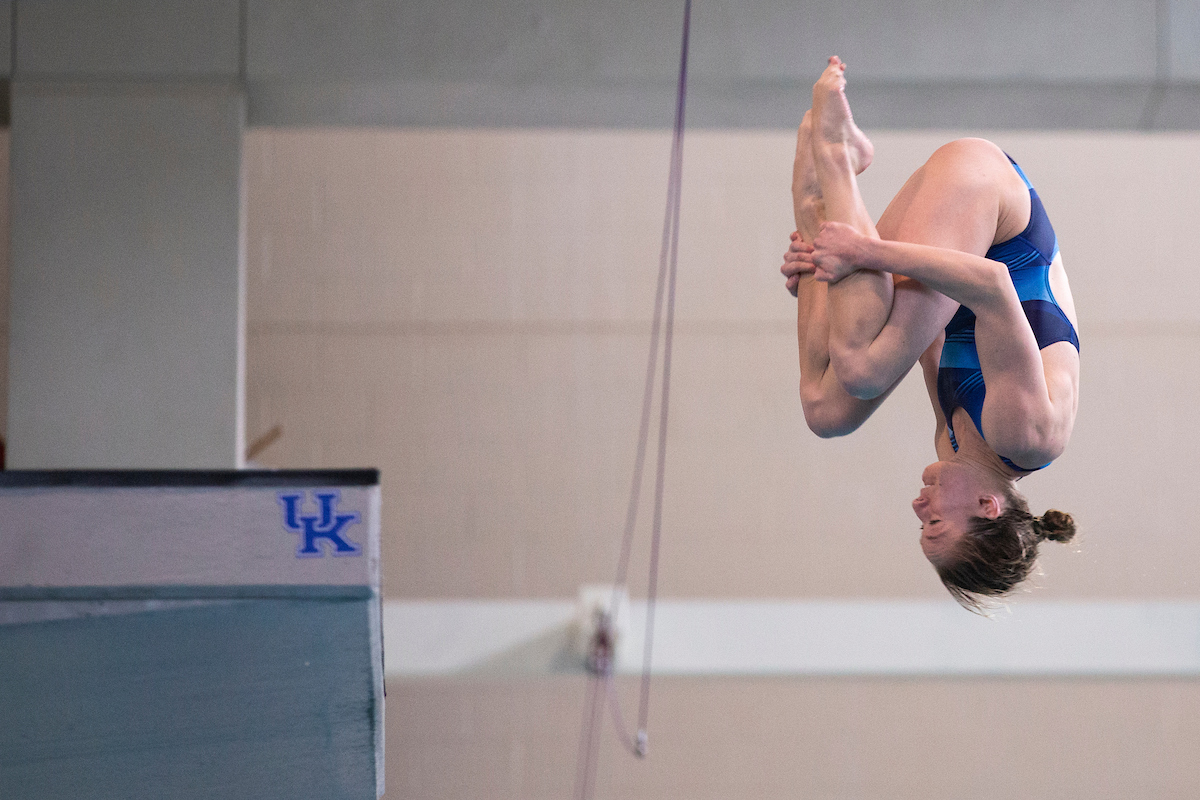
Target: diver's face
{"x":950,"y":497}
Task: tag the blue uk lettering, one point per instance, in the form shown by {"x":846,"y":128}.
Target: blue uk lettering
{"x":327,"y":524}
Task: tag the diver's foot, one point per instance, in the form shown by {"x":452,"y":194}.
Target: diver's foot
{"x":833,"y":123}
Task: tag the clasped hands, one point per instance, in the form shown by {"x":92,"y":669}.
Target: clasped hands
{"x":837,"y":251}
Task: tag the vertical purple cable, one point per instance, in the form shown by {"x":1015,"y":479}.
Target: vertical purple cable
{"x":673,"y":204}
{"x":589,"y":741}
{"x":670,"y":237}
{"x":601,"y":685}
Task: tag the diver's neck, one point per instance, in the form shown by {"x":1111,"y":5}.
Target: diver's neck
{"x":974,"y":452}
{"x":982,"y":459}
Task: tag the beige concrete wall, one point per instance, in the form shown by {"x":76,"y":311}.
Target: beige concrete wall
{"x":468,"y":311}
{"x":829,"y":738}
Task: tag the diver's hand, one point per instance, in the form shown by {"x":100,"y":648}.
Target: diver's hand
{"x":797,"y":261}
{"x":838,"y":251}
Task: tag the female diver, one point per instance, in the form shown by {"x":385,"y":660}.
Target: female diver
{"x":963,"y":275}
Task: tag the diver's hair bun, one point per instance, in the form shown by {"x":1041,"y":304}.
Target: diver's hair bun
{"x":1054,"y":525}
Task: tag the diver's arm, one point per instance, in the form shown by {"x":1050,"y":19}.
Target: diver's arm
{"x":971,"y":280}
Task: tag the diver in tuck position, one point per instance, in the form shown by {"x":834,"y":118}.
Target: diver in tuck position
{"x":964,"y":275}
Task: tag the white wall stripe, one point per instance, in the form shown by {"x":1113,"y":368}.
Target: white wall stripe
{"x":779,"y":638}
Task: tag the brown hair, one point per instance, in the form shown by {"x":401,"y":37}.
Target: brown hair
{"x":994,"y":555}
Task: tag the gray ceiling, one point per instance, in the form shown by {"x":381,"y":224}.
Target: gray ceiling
{"x":1101,"y":64}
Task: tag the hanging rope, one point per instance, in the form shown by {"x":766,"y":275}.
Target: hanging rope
{"x":601,"y":685}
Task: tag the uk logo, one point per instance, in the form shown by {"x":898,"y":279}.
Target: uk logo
{"x":327,"y":524}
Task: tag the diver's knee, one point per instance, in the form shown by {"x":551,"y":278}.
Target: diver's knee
{"x":856,"y":372}
{"x":825,"y":418}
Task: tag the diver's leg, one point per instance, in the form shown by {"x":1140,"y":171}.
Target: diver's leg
{"x":860,"y":304}
{"x":807,"y":203}
{"x":840,"y":150}
{"x":818,"y":386}
{"x":828,"y":409}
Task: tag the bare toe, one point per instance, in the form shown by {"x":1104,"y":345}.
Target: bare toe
{"x":832,"y":121}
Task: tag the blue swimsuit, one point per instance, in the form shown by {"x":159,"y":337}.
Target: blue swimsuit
{"x":1028,"y":256}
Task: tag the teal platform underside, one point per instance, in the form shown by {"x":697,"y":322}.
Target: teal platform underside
{"x":264,"y":698}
